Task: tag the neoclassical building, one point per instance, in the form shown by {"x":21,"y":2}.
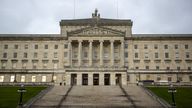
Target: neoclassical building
{"x":95,"y":51}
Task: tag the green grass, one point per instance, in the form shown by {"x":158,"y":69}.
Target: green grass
{"x":183,"y":96}
{"x":9,"y":97}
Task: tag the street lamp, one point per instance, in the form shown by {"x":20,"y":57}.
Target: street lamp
{"x":21,"y":90}
{"x":172,"y":90}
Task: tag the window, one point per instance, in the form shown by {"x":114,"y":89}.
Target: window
{"x":135,"y":46}
{"x":14,"y":65}
{"x":168,"y":68}
{"x":26,"y":46}
{"x":25,"y":55}
{"x":155,"y":46}
{"x":189,"y":68}
{"x":146,"y":55}
{"x":43,"y":79}
{"x":165,"y":46}
{"x":55,"y":55}
{"x":5,"y":46}
{"x":126,"y":45}
{"x":65,"y":46}
{"x":14,"y":55}
{"x":186,"y":46}
{"x":45,"y":55}
{"x":190,"y":78}
{"x":44,"y":65}
{"x":55,"y":65}
{"x":178,"y":68}
{"x":166,"y":55}
{"x":187,"y":55}
{"x":169,"y":79}
{"x":156,"y":55}
{"x":56,"y":46}
{"x":24,"y":65}
{"x":16,"y":46}
{"x":33,"y":79}
{"x":145,"y":46}
{"x":176,"y":54}
{"x":136,"y":55}
{"x":1,"y":78}
{"x":176,"y":46}
{"x":12,"y":78}
{"x":3,"y":66}
{"x":85,"y":54}
{"x":180,"y":79}
{"x":157,"y":67}
{"x":65,"y":54}
{"x":136,"y":67}
{"x":34,"y":65}
{"x":22,"y":78}
{"x":46,"y":46}
{"x":36,"y":46}
{"x":158,"y":78}
{"x":35,"y":55}
{"x":126,"y":54}
{"x":4,"y":55}
{"x":146,"y":67}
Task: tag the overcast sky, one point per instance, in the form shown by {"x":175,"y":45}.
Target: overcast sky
{"x":148,"y":16}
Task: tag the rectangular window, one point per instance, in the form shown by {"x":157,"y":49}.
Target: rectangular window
{"x":155,"y":46}
{"x":24,"y":65}
{"x":186,"y":46}
{"x":157,"y":67}
{"x":135,"y":46}
{"x":145,"y":46}
{"x":5,"y":46}
{"x":169,"y":79}
{"x":12,"y":78}
{"x":16,"y":46}
{"x":176,"y":54}
{"x":156,"y":55}
{"x":136,"y":67}
{"x":146,"y":67}
{"x":26,"y":46}
{"x":136,"y":55}
{"x":126,"y":46}
{"x":126,"y":54}
{"x":146,"y":55}
{"x":178,"y":68}
{"x":14,"y":55}
{"x":43,"y":79}
{"x":189,"y":68}
{"x":36,"y":46}
{"x":168,"y":68}
{"x":35,"y":55}
{"x":176,"y":46}
{"x":25,"y":55}
{"x":33,"y":79}
{"x":85,"y":54}
{"x":46,"y":46}
{"x":45,"y":55}
{"x":4,"y":55}
{"x":56,"y":46}
{"x":158,"y":78}
{"x":166,"y":55}
{"x":187,"y":55}
{"x":65,"y":54}
{"x":55,"y":55}
{"x":1,"y":78}
{"x":190,"y":78}
{"x":22,"y":78}
{"x":165,"y":46}
{"x":65,"y":46}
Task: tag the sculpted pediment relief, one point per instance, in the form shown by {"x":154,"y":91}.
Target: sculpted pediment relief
{"x":94,"y":31}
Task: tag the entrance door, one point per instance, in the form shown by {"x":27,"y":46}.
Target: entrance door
{"x":73,"y":79}
{"x":95,"y":79}
{"x":85,"y":79}
{"x":118,"y":79}
{"x":107,"y":79}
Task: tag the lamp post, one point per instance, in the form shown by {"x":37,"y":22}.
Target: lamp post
{"x":172,"y":90}
{"x":21,"y":90}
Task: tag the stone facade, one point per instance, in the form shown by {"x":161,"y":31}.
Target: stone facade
{"x":95,"y":51}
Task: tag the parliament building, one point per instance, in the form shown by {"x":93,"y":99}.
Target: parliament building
{"x":95,"y":51}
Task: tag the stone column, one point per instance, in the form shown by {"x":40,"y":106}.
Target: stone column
{"x":122,"y":53}
{"x":90,"y":79}
{"x":79,"y":52}
{"x":112,"y":52}
{"x":101,"y":78}
{"x":69,"y":53}
{"x":79,"y":79}
{"x":90,"y":52}
{"x":101,"y":52}
{"x":112,"y":78}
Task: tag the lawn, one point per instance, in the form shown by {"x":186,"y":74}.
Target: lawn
{"x":9,"y":97}
{"x":183,"y":96}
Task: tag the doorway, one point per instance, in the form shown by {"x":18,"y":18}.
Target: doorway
{"x":73,"y":79}
{"x":118,"y":79}
{"x":107,"y":79}
{"x":95,"y":79}
{"x":84,"y":79}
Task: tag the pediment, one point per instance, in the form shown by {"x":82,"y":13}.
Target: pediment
{"x":96,"y":31}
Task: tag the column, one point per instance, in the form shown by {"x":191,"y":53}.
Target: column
{"x":112,"y":52}
{"x":79,"y":79}
{"x":122,"y":53}
{"x":112,"y":78}
{"x":79,"y":52}
{"x":101,"y":78}
{"x":90,"y":52}
{"x":69,"y":53}
{"x":90,"y":79}
{"x":101,"y":52}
